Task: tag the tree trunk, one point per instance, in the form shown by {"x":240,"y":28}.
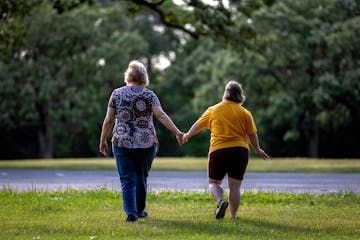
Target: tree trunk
{"x":314,"y":145}
{"x":45,"y":138}
{"x":45,"y":132}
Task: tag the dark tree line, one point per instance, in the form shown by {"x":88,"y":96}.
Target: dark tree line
{"x":297,"y":60}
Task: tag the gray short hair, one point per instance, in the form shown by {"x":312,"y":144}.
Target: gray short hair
{"x":234,"y":92}
{"x":136,"y":73}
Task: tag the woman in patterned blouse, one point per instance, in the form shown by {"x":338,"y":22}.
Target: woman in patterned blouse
{"x":134,"y":142}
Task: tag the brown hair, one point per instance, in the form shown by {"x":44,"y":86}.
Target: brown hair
{"x":136,"y":73}
{"x":234,"y":92}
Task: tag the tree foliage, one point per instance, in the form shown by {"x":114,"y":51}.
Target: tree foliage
{"x":298,"y":62}
{"x":312,"y":75}
{"x":63,"y":75}
{"x":299,"y":67}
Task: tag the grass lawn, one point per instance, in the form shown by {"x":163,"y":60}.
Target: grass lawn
{"x":95,"y":215}
{"x":195,"y":164}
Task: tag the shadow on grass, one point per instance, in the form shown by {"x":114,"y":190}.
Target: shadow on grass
{"x":247,"y":227}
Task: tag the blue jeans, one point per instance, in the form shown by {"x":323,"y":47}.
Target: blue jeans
{"x":133,"y":166}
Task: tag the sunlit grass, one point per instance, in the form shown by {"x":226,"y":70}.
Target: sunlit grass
{"x":195,"y":164}
{"x":177,"y":215}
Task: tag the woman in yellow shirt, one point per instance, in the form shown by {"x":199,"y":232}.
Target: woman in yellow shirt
{"x":231,"y":127}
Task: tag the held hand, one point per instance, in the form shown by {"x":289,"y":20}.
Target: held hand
{"x":104,"y":148}
{"x":179,"y":137}
{"x":185,"y":138}
{"x":261,"y":153}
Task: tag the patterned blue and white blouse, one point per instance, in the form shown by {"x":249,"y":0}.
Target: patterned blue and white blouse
{"x":134,"y":127}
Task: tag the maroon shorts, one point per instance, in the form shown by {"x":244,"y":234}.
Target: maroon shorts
{"x":232,"y":161}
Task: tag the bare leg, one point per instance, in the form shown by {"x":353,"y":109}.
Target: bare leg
{"x":234,"y":196}
{"x":216,"y":189}
{"x":217,"y":192}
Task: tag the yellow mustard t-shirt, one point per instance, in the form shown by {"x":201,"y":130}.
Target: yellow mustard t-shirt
{"x":230,"y":124}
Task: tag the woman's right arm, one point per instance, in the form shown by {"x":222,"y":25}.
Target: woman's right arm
{"x":195,"y":129}
{"x":254,"y":141}
{"x":106,"y":127}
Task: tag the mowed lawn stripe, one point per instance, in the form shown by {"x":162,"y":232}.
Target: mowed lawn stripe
{"x":195,"y":164}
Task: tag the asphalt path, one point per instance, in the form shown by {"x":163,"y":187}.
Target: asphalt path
{"x":55,"y":180}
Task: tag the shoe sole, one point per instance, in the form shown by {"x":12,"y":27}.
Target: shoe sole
{"x":220,"y":212}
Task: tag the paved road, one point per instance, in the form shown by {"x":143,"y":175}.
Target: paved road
{"x":50,"y":180}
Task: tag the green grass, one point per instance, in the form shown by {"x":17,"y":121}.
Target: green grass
{"x":195,"y":164}
{"x":177,"y":215}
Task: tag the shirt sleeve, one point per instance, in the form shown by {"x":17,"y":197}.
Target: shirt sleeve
{"x":251,"y":127}
{"x":155,"y":100}
{"x":112,"y":101}
{"x":204,"y":120}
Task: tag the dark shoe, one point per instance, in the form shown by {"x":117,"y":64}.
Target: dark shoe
{"x":220,"y":210}
{"x":131,"y":218}
{"x":143,"y":215}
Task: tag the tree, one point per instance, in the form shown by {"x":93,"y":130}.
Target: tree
{"x":226,"y":24}
{"x":307,"y":62}
{"x":297,"y":60}
{"x":13,"y":33}
{"x":300,"y":71}
{"x":193,"y":82}
{"x":57,"y":75}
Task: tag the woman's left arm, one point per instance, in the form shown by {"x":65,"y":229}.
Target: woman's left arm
{"x":106,"y":127}
{"x":161,"y":115}
{"x":254,"y":141}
